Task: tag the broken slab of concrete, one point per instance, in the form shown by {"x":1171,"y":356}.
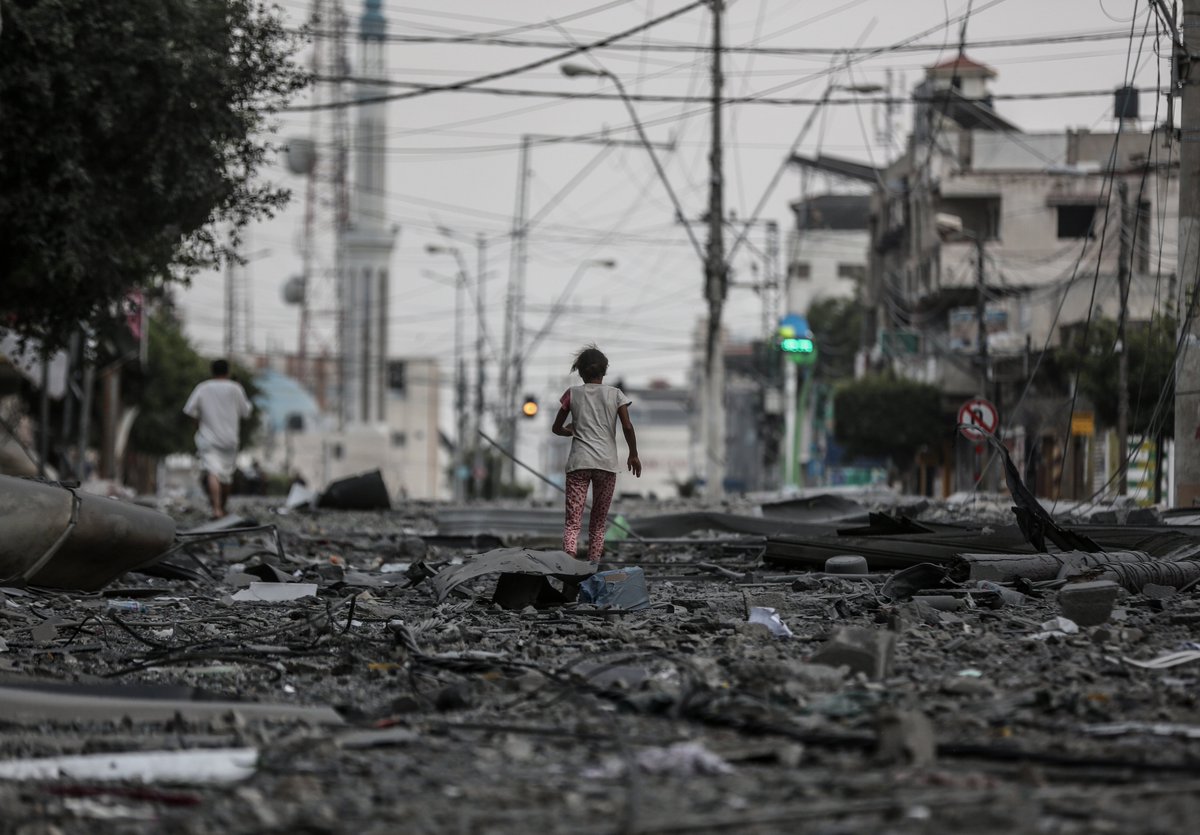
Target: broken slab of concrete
{"x":34,"y":701}
{"x":1088,"y":604}
{"x":906,"y":737}
{"x":558,"y":564}
{"x":366,"y":491}
{"x":867,"y":651}
{"x":207,"y":766}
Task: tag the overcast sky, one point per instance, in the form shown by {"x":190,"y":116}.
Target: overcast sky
{"x":452,"y":157}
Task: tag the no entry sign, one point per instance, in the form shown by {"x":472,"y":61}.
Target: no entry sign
{"x":981,"y":413}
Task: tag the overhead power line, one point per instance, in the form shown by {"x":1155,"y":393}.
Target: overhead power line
{"x":494,"y":76}
{"x":666,"y":46}
{"x":750,"y":99}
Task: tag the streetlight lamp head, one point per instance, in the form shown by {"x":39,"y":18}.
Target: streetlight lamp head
{"x":607,"y":263}
{"x":572,"y":70}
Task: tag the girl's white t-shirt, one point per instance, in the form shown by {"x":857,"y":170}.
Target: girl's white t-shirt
{"x":593,"y":408}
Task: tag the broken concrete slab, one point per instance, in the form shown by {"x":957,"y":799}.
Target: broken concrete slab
{"x":906,"y":737}
{"x":1088,"y":604}
{"x":275,"y":592}
{"x":206,"y":766}
{"x":558,"y":564}
{"x":867,"y":651}
{"x":366,"y":491}
{"x":33,"y":701}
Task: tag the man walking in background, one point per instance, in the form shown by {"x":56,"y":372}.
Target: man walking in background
{"x":218,"y":404}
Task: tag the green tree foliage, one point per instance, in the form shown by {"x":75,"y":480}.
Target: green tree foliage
{"x":1151,"y":366}
{"x":836,"y":325}
{"x":130,"y":132}
{"x":883,"y":416}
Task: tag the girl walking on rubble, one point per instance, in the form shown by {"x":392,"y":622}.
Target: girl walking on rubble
{"x":594,"y":409}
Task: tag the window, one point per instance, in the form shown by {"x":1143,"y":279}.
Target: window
{"x":1076,"y":221}
{"x":854,"y":272}
{"x":800,"y":269}
{"x":396,"y":376}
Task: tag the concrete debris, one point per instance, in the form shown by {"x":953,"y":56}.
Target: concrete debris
{"x":1088,"y":604}
{"x":866,"y":651}
{"x":275,"y":592}
{"x":400,"y":694}
{"x":361,"y":492}
{"x":906,"y":737}
{"x":685,"y":759}
{"x":221,"y":765}
{"x":38,"y":701}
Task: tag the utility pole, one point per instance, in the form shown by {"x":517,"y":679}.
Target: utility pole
{"x":1126,"y":253}
{"x":230,"y":302}
{"x":1187,"y":366}
{"x":715,"y":278}
{"x":510,"y":375}
{"x":981,"y":316}
{"x":982,"y":342}
{"x":477,"y":466}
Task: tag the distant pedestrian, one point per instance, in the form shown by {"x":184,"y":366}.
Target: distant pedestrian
{"x":594,"y":409}
{"x":218,"y":404}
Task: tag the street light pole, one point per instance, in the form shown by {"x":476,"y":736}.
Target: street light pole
{"x":460,"y":383}
{"x":477,"y":465}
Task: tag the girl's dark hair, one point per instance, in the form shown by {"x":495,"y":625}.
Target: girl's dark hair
{"x":590,"y":363}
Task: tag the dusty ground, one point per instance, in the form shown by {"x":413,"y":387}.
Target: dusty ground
{"x":528,"y":721}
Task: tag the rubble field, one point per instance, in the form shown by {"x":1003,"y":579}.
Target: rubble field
{"x":357,"y":702}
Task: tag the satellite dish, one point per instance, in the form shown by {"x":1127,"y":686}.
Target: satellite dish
{"x":301,"y":156}
{"x":293,"y":290}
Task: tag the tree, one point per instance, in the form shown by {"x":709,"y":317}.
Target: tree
{"x":1151,"y":370}
{"x":131,"y":133}
{"x":884,"y":416}
{"x":836,"y":325}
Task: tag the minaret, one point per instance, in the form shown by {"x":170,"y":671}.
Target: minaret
{"x":366,"y":241}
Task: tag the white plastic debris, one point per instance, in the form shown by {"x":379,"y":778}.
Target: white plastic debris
{"x":299,"y":496}
{"x":684,"y":759}
{"x":275,"y":592}
{"x":1148,"y":728}
{"x":1171,"y":659}
{"x":1056,"y":627}
{"x":769,"y":618}
{"x":212,"y":765}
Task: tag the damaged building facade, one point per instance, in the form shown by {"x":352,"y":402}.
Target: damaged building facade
{"x":978,"y":224}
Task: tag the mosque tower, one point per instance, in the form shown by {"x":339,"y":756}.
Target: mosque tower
{"x":366,"y":241}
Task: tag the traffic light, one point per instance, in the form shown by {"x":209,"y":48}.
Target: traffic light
{"x":529,"y":406}
{"x":796,"y":345}
{"x":796,"y":340}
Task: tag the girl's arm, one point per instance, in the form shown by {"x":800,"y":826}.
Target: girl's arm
{"x":559,"y":427}
{"x":635,"y":463}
